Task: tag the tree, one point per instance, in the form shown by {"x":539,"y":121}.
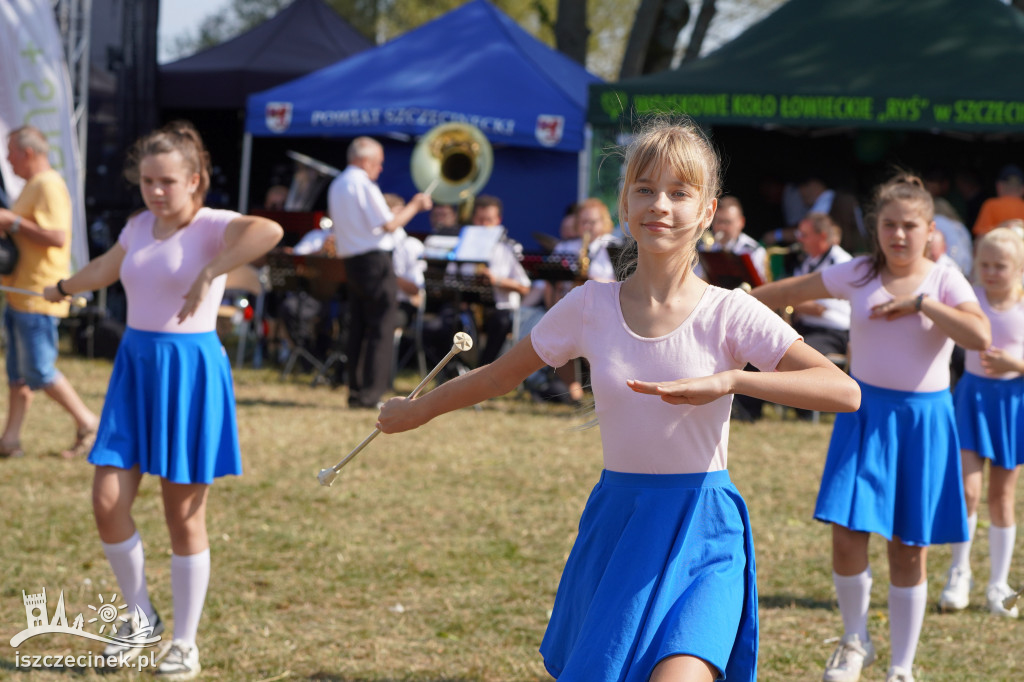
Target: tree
{"x":700,"y":29}
{"x":571,"y":29}
{"x":655,"y":21}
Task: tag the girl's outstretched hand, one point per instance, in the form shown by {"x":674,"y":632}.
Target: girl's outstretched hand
{"x":52,"y":295}
{"x":996,"y":361}
{"x":695,"y":391}
{"x":895,"y":308}
{"x":399,"y":414}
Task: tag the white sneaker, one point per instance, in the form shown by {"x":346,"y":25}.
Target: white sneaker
{"x":995,"y":595}
{"x":957,"y":593}
{"x":180,"y":663}
{"x":133,"y":630}
{"x":898,"y":674}
{"x":846,"y":662}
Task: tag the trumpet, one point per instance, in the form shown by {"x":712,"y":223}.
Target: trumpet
{"x":710,"y":238}
{"x":584,"y":257}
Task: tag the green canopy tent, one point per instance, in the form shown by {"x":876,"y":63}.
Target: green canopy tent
{"x":856,"y":67}
{"x":929,"y":64}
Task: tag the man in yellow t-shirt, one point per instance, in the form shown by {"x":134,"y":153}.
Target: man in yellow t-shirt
{"x":40,"y":225}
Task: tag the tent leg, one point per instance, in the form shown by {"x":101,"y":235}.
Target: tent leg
{"x":243,"y":183}
{"x":583,"y":169}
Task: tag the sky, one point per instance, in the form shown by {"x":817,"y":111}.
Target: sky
{"x":179,"y":17}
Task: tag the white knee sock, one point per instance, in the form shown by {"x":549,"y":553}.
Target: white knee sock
{"x":962,"y":550}
{"x":906,"y":614}
{"x":1000,"y":548}
{"x":190,"y":576}
{"x":854,"y":595}
{"x":128,"y":561}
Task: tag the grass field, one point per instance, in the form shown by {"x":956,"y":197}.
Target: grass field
{"x":436,"y":554}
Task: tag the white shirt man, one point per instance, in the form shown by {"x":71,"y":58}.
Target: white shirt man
{"x":827,"y":317}
{"x":727,"y":226}
{"x":363,"y":227}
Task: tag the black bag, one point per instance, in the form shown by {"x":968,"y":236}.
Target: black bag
{"x":8,"y":255}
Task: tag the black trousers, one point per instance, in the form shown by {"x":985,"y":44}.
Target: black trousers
{"x":372,"y":317}
{"x":497,"y":327}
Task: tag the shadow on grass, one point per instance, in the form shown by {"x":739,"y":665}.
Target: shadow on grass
{"x":790,"y":601}
{"x":253,"y":402}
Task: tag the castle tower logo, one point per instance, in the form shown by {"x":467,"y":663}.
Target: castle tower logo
{"x":109,"y":616}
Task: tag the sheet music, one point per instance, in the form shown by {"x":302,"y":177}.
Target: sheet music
{"x":477,"y":243}
{"x":439,"y":246}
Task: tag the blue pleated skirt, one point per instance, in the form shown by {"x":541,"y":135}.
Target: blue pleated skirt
{"x":663,"y":565}
{"x":990,"y":418}
{"x":893,"y":468}
{"x":170,"y":408}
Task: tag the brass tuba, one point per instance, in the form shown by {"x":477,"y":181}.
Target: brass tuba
{"x":455,"y":160}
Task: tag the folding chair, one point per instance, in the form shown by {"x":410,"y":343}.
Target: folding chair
{"x":312,"y":282}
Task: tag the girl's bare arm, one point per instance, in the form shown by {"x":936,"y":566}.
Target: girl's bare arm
{"x":489,"y":381}
{"x":792,"y":290}
{"x":804,"y":378}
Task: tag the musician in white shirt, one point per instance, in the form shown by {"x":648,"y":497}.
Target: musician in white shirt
{"x":727,"y":226}
{"x":363,"y":227}
{"x":506,"y":275}
{"x":824,"y":323}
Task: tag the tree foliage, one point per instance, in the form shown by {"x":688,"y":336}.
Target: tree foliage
{"x":593,"y":32}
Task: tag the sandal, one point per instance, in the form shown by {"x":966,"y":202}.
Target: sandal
{"x":84,"y":439}
{"x":11,"y":452}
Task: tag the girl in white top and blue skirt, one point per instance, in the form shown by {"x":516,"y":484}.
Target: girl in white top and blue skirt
{"x":893,"y":467}
{"x":170,"y":406}
{"x":660,"y":584}
{"x":989,"y":403}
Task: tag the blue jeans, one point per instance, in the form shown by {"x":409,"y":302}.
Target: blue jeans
{"x":31,"y":348}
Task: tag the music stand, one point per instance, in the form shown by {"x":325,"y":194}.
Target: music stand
{"x":308,"y":180}
{"x":729,"y":270}
{"x":451,"y":273}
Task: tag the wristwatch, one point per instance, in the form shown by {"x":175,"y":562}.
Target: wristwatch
{"x":15,"y":226}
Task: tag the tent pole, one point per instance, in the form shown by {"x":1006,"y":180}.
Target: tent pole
{"x":243,"y":183}
{"x":583,"y":172}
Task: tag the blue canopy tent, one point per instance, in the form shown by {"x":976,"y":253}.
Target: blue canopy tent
{"x":304,"y":36}
{"x":474,"y":65}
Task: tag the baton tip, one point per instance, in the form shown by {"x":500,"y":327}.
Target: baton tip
{"x":463,"y":341}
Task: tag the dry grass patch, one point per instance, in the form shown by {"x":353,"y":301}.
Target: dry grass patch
{"x":436,"y":554}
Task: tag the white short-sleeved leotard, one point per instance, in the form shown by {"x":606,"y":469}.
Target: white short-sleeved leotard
{"x":1007,"y":335}
{"x":642,"y":433}
{"x":909,"y":353}
{"x":158,"y":273}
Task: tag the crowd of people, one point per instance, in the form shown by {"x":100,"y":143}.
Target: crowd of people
{"x":862,"y":316}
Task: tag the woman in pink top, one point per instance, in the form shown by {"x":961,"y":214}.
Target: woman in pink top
{"x":660,"y":582}
{"x":170,"y":406}
{"x":893,"y":467}
{"x":989,"y":404}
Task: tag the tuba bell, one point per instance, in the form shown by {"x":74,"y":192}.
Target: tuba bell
{"x":453,"y":158}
